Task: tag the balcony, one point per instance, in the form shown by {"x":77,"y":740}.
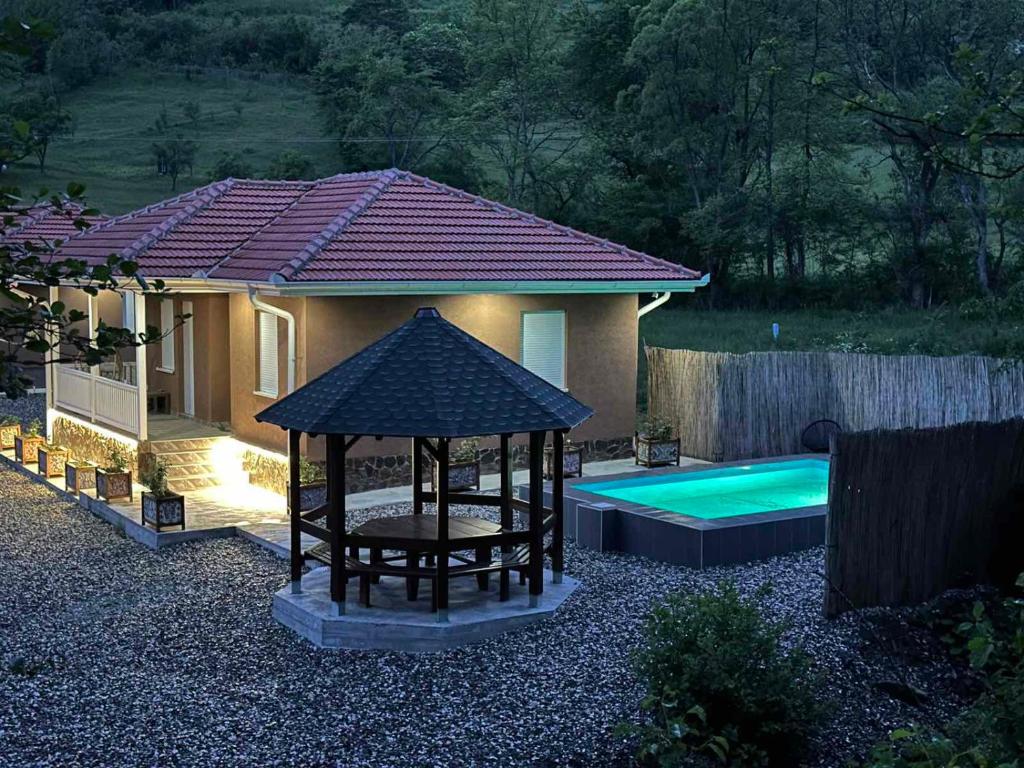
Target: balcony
{"x":104,"y":395}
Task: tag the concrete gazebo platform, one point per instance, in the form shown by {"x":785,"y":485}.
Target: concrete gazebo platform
{"x":430,"y":382}
{"x":394,"y":623}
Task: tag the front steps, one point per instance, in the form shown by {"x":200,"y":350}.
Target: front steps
{"x":197,"y":462}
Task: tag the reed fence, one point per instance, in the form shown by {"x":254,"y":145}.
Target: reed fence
{"x":912,"y":513}
{"x":726,"y":406}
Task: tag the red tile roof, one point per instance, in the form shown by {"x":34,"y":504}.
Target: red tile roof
{"x":45,"y":223}
{"x":358,"y":227}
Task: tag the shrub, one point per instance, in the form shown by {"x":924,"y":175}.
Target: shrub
{"x":291,"y":165}
{"x":156,"y":478}
{"x":656,"y":428}
{"x":990,"y":734}
{"x":117,"y":460}
{"x":310,"y":473}
{"x":720,"y":684}
{"x":466,"y":450}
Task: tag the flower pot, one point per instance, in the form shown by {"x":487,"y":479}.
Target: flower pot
{"x":7,"y":434}
{"x":572,"y":461}
{"x":26,"y":448}
{"x":462,"y":476}
{"x":311,"y":495}
{"x":164,"y":510}
{"x":52,"y":459}
{"x":114,"y":484}
{"x":656,"y":453}
{"x":79,"y":475}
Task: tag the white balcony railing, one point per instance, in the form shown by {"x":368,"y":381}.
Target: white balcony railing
{"x":98,"y":398}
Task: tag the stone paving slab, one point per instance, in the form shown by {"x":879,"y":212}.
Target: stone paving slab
{"x":394,"y":623}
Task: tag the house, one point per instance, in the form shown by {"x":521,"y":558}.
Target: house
{"x":281,"y":280}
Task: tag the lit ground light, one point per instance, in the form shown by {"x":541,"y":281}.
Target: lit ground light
{"x":112,"y":655}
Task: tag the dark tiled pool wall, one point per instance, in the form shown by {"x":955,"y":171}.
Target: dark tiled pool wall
{"x":679,"y":540}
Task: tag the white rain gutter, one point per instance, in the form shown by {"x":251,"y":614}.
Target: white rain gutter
{"x":198,"y":284}
{"x":658,"y":301}
{"x":287,"y":317}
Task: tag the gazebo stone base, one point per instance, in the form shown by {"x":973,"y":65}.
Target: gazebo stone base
{"x":394,"y":623}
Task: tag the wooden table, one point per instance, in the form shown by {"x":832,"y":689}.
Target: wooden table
{"x":416,"y":535}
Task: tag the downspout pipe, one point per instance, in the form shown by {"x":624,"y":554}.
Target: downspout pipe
{"x":658,"y":301}
{"x":289,"y":318}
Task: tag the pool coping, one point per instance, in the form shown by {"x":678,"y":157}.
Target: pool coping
{"x":604,"y":523}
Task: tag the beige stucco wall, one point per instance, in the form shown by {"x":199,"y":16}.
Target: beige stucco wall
{"x":210,"y":354}
{"x":601,"y":350}
{"x":245,"y":403}
{"x":211,"y":349}
{"x":157,"y":379}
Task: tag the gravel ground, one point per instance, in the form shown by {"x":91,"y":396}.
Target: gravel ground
{"x":25,"y":409}
{"x":112,"y":655}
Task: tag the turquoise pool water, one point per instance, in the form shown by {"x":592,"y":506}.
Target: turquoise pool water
{"x":726,"y":492}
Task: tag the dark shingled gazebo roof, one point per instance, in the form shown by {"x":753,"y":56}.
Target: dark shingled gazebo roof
{"x":427,"y":378}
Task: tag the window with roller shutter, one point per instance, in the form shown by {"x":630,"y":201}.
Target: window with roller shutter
{"x":543,"y":345}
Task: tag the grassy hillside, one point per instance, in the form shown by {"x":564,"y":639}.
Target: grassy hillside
{"x":110,"y":151}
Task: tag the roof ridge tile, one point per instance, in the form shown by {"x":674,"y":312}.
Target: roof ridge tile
{"x":277,"y":217}
{"x":337,"y":225}
{"x":201,"y":202}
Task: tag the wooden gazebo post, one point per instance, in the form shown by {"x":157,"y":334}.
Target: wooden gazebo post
{"x":336,"y":519}
{"x":295,"y":509}
{"x":557,"y":489}
{"x":505,"y":509}
{"x":441,"y":578}
{"x":536,"y":574}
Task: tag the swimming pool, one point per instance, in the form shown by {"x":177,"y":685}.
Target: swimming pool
{"x":726,"y":492}
{"x":701,"y":515}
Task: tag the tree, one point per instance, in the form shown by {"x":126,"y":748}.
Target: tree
{"x":390,"y":15}
{"x":521,"y":106}
{"x":230,"y":165}
{"x":942,"y":87}
{"x":46,"y":120}
{"x":292,"y":165}
{"x":193,"y":112}
{"x":384,"y":108}
{"x":713,"y":83}
{"x":173,"y":156}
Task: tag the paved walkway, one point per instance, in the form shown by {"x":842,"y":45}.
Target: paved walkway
{"x":256,"y":513}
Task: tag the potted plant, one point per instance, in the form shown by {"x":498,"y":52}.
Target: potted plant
{"x":463,"y":467}
{"x":114,"y":481}
{"x":26,"y":446}
{"x":79,"y":475}
{"x":161,"y":507}
{"x":52,"y":459}
{"x":10,"y":428}
{"x":572,"y":460}
{"x":312,"y":485}
{"x":655,"y":446}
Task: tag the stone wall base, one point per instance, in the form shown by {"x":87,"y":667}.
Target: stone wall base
{"x":368,"y":473}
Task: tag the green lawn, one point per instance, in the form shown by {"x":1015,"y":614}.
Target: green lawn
{"x":883,"y":331}
{"x":110,"y":151}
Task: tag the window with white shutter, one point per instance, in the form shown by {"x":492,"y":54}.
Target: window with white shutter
{"x":167,"y":331}
{"x":266,"y":343}
{"x":543,"y":345}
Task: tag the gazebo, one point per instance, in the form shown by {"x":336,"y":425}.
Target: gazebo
{"x":431,"y":382}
